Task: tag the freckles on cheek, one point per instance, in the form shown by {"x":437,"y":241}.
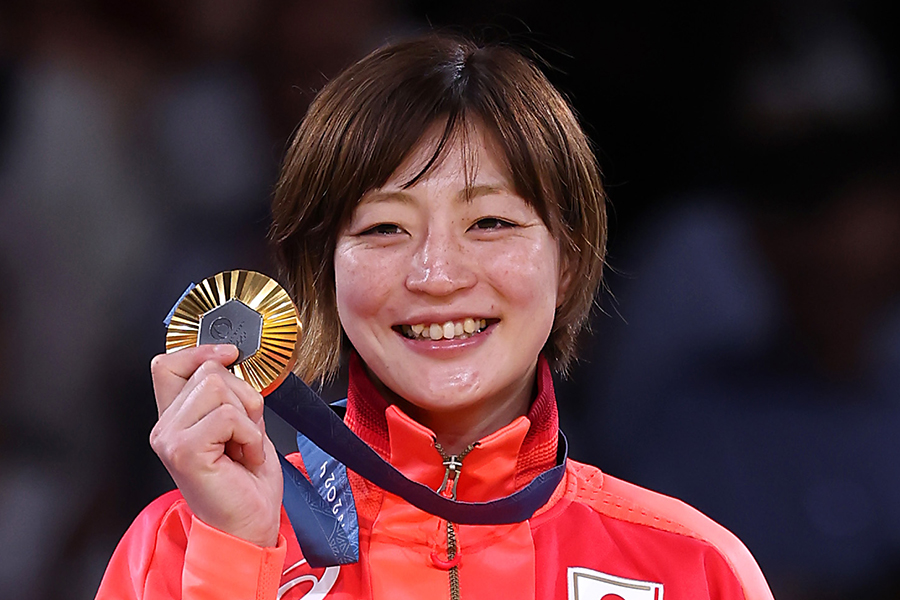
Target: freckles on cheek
{"x":360,"y":289}
{"x":523,"y":275}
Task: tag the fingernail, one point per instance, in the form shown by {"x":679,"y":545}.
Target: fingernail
{"x":224,"y":349}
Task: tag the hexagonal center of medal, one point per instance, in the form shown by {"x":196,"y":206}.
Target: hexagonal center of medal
{"x":232,"y":323}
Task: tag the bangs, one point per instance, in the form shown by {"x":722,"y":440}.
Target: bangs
{"x":462,"y":133}
{"x":462,"y":96}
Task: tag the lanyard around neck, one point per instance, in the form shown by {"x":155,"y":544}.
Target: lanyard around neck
{"x":303,"y":409}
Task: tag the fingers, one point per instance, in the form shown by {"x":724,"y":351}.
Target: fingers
{"x":211,"y":437}
{"x":247,"y":451}
{"x":228,"y":426}
{"x":193,"y":386}
{"x":172,"y":371}
{"x":247,"y":444}
{"x":176,"y":375}
{"x":209,"y":421}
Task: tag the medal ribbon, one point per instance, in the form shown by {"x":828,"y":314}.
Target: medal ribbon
{"x":317,"y":423}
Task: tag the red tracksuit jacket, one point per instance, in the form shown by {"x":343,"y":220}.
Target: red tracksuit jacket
{"x":597,"y":538}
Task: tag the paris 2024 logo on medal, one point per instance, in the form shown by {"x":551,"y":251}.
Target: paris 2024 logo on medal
{"x":246,"y":309}
{"x":587,"y":584}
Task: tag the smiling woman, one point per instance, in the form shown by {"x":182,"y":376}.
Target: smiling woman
{"x":440,"y":213}
{"x":456,"y":248}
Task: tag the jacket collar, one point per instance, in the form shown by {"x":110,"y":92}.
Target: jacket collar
{"x":501,"y":463}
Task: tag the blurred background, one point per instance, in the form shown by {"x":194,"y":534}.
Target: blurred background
{"x":745,"y":356}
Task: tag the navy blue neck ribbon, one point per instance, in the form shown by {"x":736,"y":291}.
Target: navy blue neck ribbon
{"x":321,"y":508}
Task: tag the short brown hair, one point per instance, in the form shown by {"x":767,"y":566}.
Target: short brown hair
{"x":365,"y":122}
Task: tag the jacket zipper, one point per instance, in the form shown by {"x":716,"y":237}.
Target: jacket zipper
{"x":453,"y":466}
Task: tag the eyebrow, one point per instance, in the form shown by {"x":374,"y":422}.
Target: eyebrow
{"x":474,"y":191}
{"x":467,"y":194}
{"x":375,"y":196}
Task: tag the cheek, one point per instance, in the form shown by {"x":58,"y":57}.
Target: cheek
{"x":528,"y":275}
{"x":360,"y":286}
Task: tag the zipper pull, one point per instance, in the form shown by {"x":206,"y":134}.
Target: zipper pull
{"x":451,"y":476}
{"x":453,"y":466}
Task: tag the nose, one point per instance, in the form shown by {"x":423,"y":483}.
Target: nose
{"x":440,"y":266}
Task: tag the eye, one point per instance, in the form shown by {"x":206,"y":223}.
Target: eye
{"x":491,"y":223}
{"x":383,"y":229}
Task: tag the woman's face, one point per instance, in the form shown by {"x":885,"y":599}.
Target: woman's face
{"x":448,"y":294}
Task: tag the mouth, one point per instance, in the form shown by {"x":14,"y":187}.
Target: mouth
{"x":449,"y":330}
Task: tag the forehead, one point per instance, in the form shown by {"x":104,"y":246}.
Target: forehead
{"x":469,"y":157}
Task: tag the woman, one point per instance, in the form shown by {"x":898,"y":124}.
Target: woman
{"x":440,"y":213}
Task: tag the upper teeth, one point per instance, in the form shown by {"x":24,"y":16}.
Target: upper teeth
{"x":444,"y":331}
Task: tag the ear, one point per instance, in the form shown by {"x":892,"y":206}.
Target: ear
{"x":566,"y":275}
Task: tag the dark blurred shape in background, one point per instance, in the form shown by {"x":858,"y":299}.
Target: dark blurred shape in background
{"x":755,"y":369}
{"x":751,"y":360}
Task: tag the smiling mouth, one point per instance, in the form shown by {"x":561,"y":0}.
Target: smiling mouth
{"x":450,"y":330}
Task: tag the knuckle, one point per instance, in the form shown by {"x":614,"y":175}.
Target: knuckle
{"x":177,"y":458}
{"x":212,"y":383}
{"x":177,"y":454}
{"x":255,"y":401}
{"x":206,"y":368}
{"x":161,"y":444}
{"x":155,"y":435}
{"x":228,"y":412}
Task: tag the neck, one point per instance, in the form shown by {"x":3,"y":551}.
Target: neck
{"x":366,"y":416}
{"x":456,"y":430}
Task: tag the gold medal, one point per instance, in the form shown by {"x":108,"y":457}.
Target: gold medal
{"x":247,"y":309}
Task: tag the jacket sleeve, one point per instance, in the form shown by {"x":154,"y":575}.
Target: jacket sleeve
{"x":169,"y":554}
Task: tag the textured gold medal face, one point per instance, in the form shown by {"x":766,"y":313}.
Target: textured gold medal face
{"x":247,"y":309}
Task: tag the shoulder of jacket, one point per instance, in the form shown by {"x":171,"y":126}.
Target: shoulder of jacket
{"x":168,"y":514}
{"x":162,"y":526}
{"x":166,"y":505}
{"x":631,"y":503}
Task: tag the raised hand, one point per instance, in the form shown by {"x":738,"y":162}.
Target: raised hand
{"x":211,"y":437}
